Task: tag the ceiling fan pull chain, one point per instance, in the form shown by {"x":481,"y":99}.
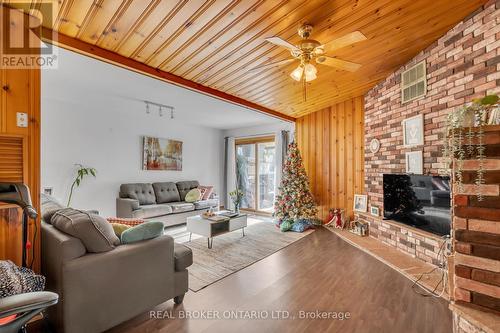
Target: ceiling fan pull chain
{"x":304,"y":88}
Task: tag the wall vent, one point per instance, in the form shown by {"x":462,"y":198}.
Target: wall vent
{"x":413,"y":83}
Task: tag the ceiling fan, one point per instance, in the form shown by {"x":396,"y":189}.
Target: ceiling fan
{"x":309,"y":49}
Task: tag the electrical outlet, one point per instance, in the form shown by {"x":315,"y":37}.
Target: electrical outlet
{"x":22,"y":119}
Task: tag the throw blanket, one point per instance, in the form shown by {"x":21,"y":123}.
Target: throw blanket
{"x":17,"y":280}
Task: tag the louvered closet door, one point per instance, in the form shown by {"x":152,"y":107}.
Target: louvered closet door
{"x":12,"y":169}
{"x":13,"y":157}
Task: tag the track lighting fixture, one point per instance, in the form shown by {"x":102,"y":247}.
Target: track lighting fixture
{"x":161,"y":108}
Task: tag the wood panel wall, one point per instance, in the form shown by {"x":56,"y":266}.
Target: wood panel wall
{"x":331,"y":142}
{"x":19,"y":149}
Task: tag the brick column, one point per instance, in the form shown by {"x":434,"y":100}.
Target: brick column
{"x":476,"y":232}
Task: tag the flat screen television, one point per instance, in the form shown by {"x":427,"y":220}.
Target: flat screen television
{"x":419,"y":201}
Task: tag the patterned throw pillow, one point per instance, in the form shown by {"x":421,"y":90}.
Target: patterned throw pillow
{"x":202,"y":192}
{"x":207,"y":193}
{"x":127,"y":221}
{"x":193,"y":195}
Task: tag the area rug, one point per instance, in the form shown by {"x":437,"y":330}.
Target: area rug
{"x":231,"y":252}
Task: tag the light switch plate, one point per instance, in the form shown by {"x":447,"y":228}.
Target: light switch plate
{"x":22,"y":119}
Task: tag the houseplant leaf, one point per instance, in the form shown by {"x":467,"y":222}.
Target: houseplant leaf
{"x":489,"y":100}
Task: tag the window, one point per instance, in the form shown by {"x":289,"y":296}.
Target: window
{"x":256,"y":172}
{"x":413,"y":83}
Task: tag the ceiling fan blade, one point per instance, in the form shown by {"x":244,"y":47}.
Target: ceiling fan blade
{"x":273,"y":64}
{"x":337,"y":63}
{"x":281,"y":42}
{"x":344,"y":41}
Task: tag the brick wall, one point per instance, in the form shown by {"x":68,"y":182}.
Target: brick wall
{"x":461,"y":65}
{"x":462,"y":325}
{"x":476,"y":229}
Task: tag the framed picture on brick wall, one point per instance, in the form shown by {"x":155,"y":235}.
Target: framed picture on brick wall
{"x":360,"y":203}
{"x":413,"y":131}
{"x":414,"y":162}
{"x":374,"y":211}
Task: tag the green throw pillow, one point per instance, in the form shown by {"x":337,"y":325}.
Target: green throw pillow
{"x":146,"y":230}
{"x":119,"y":228}
{"x":193,"y":195}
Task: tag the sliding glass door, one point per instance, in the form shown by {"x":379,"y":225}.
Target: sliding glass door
{"x":256,"y":172}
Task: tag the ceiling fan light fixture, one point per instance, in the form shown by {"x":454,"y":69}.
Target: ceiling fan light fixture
{"x":310,"y":77}
{"x":310,"y":72}
{"x":297,"y":73}
{"x":310,"y":69}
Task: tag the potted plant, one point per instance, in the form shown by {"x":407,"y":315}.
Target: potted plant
{"x":236,"y":197}
{"x":465,"y":137}
{"x":81,"y":172}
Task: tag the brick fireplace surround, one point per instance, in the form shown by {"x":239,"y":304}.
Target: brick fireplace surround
{"x":462,"y":65}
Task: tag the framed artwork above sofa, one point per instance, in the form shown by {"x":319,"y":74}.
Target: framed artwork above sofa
{"x":161,"y":154}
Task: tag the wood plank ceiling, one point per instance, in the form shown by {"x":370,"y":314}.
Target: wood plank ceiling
{"x":215,"y":42}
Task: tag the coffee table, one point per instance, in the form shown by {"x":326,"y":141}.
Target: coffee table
{"x":208,"y":228}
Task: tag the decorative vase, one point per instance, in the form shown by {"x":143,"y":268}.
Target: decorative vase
{"x":236,"y":208}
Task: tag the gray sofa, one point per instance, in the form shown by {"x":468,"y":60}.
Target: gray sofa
{"x":160,"y":202}
{"x":100,"y":290}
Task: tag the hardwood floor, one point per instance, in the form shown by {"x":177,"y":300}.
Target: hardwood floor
{"x":319,"y":272}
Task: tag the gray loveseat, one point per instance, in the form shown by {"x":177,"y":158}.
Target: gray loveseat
{"x":160,"y":202}
{"x":100,"y":290}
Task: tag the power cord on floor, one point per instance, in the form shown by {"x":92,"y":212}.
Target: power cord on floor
{"x":443,"y":254}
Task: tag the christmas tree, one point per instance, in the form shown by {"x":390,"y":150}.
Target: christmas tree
{"x":294,"y":199}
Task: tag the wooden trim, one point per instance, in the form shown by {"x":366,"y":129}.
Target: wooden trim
{"x":245,"y":141}
{"x":97,"y":52}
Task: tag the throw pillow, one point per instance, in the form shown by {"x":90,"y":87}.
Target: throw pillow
{"x":127,"y":221}
{"x":147,"y":230}
{"x":202,"y":192}
{"x":49,"y":206}
{"x":119,"y":228}
{"x":193,"y":195}
{"x":208,"y":192}
{"x":95,"y":232}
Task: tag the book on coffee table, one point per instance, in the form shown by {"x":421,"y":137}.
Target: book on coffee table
{"x":218,"y":218}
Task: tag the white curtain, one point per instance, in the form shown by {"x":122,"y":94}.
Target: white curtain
{"x":230,"y":170}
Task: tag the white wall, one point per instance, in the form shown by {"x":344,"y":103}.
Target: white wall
{"x":261,"y":130}
{"x":105,"y":133}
